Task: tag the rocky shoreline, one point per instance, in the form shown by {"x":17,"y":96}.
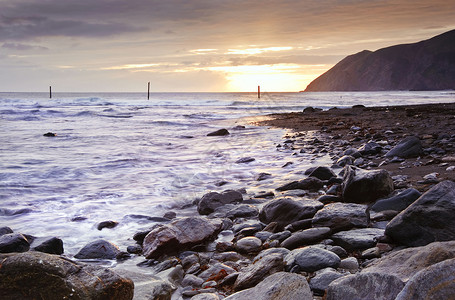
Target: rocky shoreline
{"x":376,"y":224}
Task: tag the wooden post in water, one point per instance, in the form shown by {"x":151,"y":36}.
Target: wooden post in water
{"x":148,"y":91}
{"x":259,"y":91}
{"x":50,"y":92}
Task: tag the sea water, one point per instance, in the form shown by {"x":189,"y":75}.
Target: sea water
{"x":121,"y":157}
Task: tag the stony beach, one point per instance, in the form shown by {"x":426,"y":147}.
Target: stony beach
{"x":377,"y":223}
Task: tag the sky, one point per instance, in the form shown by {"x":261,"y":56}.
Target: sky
{"x":198,"y":45}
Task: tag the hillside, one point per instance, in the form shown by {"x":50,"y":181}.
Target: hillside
{"x":426,"y":65}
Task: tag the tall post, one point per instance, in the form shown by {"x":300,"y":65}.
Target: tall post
{"x":50,"y":92}
{"x":259,"y":91}
{"x":148,"y":91}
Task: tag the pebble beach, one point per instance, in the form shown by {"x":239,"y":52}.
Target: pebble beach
{"x":377,"y":214}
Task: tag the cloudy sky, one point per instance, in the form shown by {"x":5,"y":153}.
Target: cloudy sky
{"x":198,"y":45}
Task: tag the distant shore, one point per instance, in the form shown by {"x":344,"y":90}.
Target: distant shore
{"x":433,"y":124}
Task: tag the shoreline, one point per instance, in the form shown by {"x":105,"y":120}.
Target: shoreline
{"x":433,"y":124}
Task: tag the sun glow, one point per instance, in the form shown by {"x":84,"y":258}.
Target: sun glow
{"x":271,"y":78}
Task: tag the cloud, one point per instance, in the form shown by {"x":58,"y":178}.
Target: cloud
{"x":22,"y":47}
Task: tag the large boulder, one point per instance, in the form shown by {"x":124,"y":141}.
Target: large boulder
{"x":35,"y":274}
{"x":341,"y":216}
{"x":362,"y":186}
{"x":285,"y":211}
{"x":279,"y":286}
{"x":180,"y":235}
{"x":357,"y":239}
{"x":397,"y":202}
{"x":365,"y":287}
{"x":211,"y":201}
{"x":430,"y":218}
{"x":407,"y":262}
{"x":310,"y":259}
{"x":434,"y":282}
{"x":408,"y":147}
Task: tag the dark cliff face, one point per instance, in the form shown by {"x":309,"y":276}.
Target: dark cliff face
{"x":426,"y":65}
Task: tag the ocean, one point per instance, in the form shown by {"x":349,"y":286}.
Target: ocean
{"x":121,"y":157}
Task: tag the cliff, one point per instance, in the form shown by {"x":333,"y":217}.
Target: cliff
{"x":426,"y":65}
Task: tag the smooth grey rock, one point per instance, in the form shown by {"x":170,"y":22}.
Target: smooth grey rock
{"x":211,"y":201}
{"x":13,"y":242}
{"x":215,"y":270}
{"x":270,"y":251}
{"x":262,"y":268}
{"x":107,"y":224}
{"x":306,"y":237}
{"x":280,"y":236}
{"x":370,"y":148}
{"x":285,"y":211}
{"x":5,"y":230}
{"x":244,"y":160}
{"x":341,"y":216}
{"x":434,"y":282}
{"x":345,"y":160}
{"x":430,"y":218}
{"x":361,"y":186}
{"x":310,"y":259}
{"x":279,"y":286}
{"x":310,"y":183}
{"x":350,"y":263}
{"x":365,"y":287}
{"x":356,"y":239}
{"x":159,"y":290}
{"x":192,"y":280}
{"x":407,"y":262}
{"x":180,"y":235}
{"x":398,"y":202}
{"x":320,"y":282}
{"x":35,"y":274}
{"x":205,"y":296}
{"x":242,"y":211}
{"x":249,"y":244}
{"x":322,"y":173}
{"x":408,"y":147}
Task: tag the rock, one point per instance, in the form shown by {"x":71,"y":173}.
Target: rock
{"x":263,"y":176}
{"x":320,"y":282}
{"x":219,"y":132}
{"x":180,"y":235}
{"x":170,"y":215}
{"x":52,"y":246}
{"x":262,"y":268}
{"x":352,"y":152}
{"x":50,"y":134}
{"x":407,"y":262}
{"x":361,"y":186}
{"x":192,"y":280}
{"x":35,"y":274}
{"x":216,"y":272}
{"x":370,"y":148}
{"x":398,"y":202}
{"x":5,"y":230}
{"x":350,"y":263}
{"x":306,"y":237}
{"x":365,"y":287}
{"x":310,"y":183}
{"x":285,"y":211}
{"x":278,"y":286}
{"x":206,"y":296}
{"x":357,"y":238}
{"x":100,"y":249}
{"x":299,"y":225}
{"x":408,"y":147}
{"x":13,"y":242}
{"x":428,"y":219}
{"x":280,"y":236}
{"x":310,"y":259}
{"x":248,"y":245}
{"x":135,"y":249}
{"x":107,"y":224}
{"x":345,"y":160}
{"x":159,"y":289}
{"x":434,"y":282}
{"x":370,"y":253}
{"x":322,"y":173}
{"x":242,"y":211}
{"x":341,"y":216}
{"x":244,"y":160}
{"x":263,"y":253}
{"x":209,"y":202}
